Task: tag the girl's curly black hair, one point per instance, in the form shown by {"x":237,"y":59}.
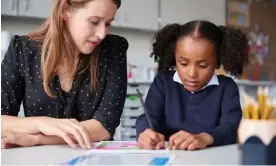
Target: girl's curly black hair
{"x":231,"y":45}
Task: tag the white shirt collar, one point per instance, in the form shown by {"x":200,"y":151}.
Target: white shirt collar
{"x":213,"y":80}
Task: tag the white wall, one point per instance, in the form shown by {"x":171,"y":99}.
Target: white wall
{"x":139,"y":41}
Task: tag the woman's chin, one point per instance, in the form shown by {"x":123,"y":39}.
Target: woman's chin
{"x":87,"y":50}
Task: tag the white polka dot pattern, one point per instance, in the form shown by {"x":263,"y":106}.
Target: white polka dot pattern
{"x":22,"y":82}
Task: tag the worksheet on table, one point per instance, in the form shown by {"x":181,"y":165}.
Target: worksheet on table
{"x":121,"y":153}
{"x":121,"y":159}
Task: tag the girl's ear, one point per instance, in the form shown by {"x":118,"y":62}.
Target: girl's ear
{"x":218,"y":66}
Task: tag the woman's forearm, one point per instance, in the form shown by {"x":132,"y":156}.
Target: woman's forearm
{"x":30,"y":125}
{"x":96,"y":130}
{"x":26,"y":125}
{"x":50,"y":140}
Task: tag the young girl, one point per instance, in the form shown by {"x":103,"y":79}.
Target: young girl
{"x":70,"y":75}
{"x":192,"y":107}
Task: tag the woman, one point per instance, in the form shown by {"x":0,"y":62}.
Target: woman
{"x":70,"y":75}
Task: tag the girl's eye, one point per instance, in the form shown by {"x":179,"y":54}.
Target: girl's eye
{"x":203,"y":66}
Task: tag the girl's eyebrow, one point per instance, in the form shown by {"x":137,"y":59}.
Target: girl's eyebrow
{"x":203,"y":60}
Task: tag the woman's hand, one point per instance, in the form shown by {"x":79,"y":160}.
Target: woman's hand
{"x":68,"y":129}
{"x":14,"y":139}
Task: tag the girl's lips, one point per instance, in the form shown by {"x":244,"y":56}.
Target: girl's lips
{"x":191,"y":83}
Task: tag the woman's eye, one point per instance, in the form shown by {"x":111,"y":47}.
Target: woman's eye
{"x":95,"y":22}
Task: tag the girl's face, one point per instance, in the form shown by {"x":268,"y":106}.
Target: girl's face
{"x":195,"y":62}
{"x":89,"y":25}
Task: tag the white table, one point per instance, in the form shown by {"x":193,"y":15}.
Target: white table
{"x":44,"y":155}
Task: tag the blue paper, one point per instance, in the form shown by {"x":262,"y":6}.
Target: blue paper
{"x":121,"y":159}
{"x":160,"y":161}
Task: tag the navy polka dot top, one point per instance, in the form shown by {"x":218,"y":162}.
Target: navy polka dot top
{"x":21,"y":82}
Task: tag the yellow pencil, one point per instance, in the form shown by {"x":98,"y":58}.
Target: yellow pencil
{"x":260,"y":97}
{"x":246,"y":108}
{"x":251,"y":111}
{"x":249,"y":102}
{"x":253,"y":105}
{"x":265,"y":98}
{"x":254,"y":110}
{"x":267,"y":110}
{"x":272,"y":113}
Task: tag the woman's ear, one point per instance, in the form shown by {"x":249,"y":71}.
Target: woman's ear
{"x":66,"y":14}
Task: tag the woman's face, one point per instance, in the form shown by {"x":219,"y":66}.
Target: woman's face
{"x":89,"y":25}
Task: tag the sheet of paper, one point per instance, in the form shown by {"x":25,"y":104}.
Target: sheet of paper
{"x":123,"y":147}
{"x":120,"y":153}
{"x":117,"y":145}
{"x":121,"y":159}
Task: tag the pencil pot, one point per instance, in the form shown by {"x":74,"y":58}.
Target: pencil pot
{"x":257,"y":139}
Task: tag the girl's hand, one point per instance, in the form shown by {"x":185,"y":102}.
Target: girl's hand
{"x":187,"y":141}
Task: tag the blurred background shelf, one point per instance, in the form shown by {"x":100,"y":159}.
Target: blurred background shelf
{"x":138,"y":21}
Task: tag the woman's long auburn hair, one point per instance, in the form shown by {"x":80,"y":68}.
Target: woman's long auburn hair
{"x":56,"y":44}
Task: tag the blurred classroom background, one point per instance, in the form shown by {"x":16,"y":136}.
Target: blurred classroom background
{"x":138,"y":20}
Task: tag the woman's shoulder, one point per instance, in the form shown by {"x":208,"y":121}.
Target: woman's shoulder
{"x":24,"y":40}
{"x":23,"y":44}
{"x":22,"y":50}
{"x":112,"y":41}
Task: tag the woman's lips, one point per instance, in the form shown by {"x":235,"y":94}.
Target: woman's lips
{"x":92,"y":43}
